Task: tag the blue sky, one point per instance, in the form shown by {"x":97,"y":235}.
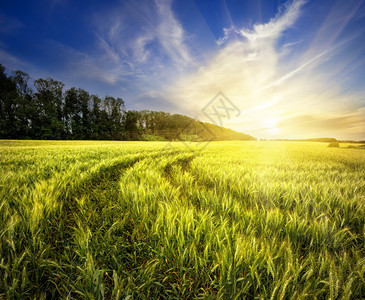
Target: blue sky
{"x":295,"y":69}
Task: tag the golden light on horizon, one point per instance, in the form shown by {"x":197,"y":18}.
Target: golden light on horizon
{"x":271,"y":126}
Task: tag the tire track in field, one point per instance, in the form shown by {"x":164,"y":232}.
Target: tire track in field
{"x":104,"y":175}
{"x":49,"y":212}
{"x":88,"y":214}
{"x":146,"y":198}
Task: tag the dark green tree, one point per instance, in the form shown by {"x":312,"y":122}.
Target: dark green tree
{"x":117,"y":113}
{"x":71,"y":113}
{"x":85,"y":115}
{"x":49,"y":98}
{"x":131,"y":129}
{"x":95,"y":117}
{"x":25,"y":111}
{"x":77,"y":114}
{"x":8,"y":96}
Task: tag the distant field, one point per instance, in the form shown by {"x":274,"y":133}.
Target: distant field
{"x":139,"y":220}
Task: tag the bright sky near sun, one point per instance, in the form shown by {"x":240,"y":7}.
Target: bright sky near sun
{"x":295,"y":69}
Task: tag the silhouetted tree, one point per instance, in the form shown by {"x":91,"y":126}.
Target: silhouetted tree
{"x":131,"y":130}
{"x":25,"y":110}
{"x":71,"y":113}
{"x":117,"y":113}
{"x":95,"y":117}
{"x":83,"y":100}
{"x":49,"y":124}
{"x":8,"y":96}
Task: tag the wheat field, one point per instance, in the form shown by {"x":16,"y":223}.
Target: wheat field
{"x":151,"y":220}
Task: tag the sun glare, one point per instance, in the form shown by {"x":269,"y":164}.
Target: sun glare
{"x":270,"y":125}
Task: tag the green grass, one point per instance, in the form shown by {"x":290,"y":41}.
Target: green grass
{"x":139,"y":220}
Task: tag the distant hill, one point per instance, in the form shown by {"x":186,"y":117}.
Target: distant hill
{"x":351,"y":141}
{"x":157,"y":125}
{"x":323,"y":140}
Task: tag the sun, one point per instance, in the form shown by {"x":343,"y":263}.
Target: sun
{"x":270,"y":126}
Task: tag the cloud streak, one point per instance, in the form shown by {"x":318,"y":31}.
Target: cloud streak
{"x":171,"y":34}
{"x":284,"y":19}
{"x":256,"y":73}
{"x":141,"y":35}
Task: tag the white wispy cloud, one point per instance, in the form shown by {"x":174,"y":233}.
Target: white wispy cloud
{"x":241,"y":67}
{"x":110,"y":52}
{"x":142,"y":35}
{"x":292,"y":73}
{"x":138,"y":47}
{"x":171,"y":34}
{"x":256,"y":74}
{"x":226,"y":34}
{"x":286,"y":17}
{"x":82,"y":66}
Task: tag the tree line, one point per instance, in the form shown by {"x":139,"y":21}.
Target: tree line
{"x":46,"y":111}
{"x":50,"y":113}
